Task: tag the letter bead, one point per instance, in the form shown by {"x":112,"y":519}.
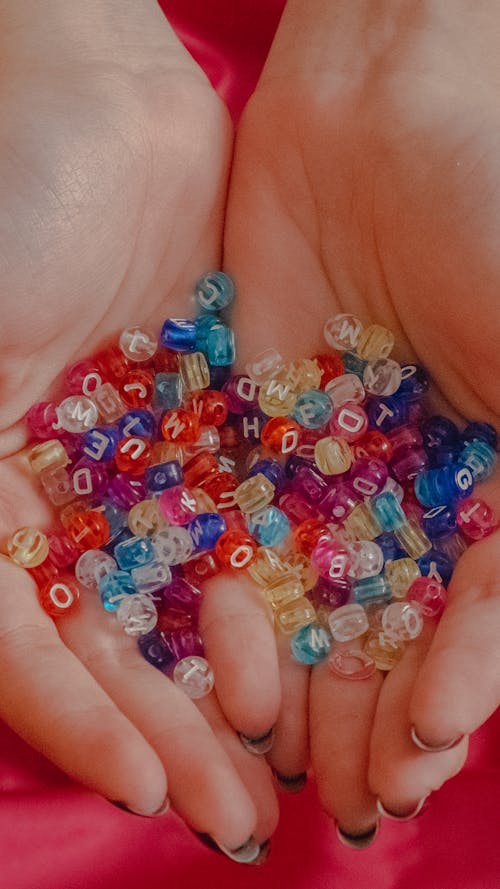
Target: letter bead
{"x":311,"y":644}
{"x":138,"y":344}
{"x":59,"y":596}
{"x":28,"y":547}
{"x":214,"y":291}
{"x":137,"y":614}
{"x":342,"y":332}
{"x":333,"y":455}
{"x":194,"y":676}
{"x":348,"y":622}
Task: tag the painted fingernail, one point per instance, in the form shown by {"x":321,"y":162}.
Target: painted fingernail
{"x":260,"y":745}
{"x":409,"y":816}
{"x":165,"y":806}
{"x":358,"y":840}
{"x":291,"y":783}
{"x":434,"y":748}
{"x":250,"y":852}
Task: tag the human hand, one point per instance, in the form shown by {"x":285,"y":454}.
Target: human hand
{"x":365,"y":180}
{"x":113,"y":167}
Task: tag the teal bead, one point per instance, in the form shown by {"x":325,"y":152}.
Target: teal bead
{"x":134,"y":552}
{"x":220,"y":346}
{"x":353,"y":364}
{"x":311,"y":644}
{"x":113,"y":587}
{"x":370,"y":588}
{"x":269,"y":526}
{"x":480,"y":458}
{"x":313,"y":409}
{"x":167,"y":391}
{"x":214,"y":291}
{"x":388,"y":511}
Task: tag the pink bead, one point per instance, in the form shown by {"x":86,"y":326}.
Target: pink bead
{"x":177,"y":505}
{"x":339,"y":502}
{"x":351,"y":663}
{"x":331,"y":559}
{"x":42,"y":420}
{"x":404,"y":437}
{"x":83,"y":378}
{"x":368,"y":477}
{"x":349,"y":421}
{"x":428,"y":595}
{"x":297,"y":509}
{"x":476,"y":519}
{"x":345,"y":389}
{"x":408,"y":463}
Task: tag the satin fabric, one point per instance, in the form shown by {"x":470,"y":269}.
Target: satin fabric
{"x":55,"y":834}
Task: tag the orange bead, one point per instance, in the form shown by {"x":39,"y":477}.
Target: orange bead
{"x":136,"y":388}
{"x":88,"y":529}
{"x":373,"y":444}
{"x":112,"y":364}
{"x":210,"y":405}
{"x":133,"y":455}
{"x":308,"y":534}
{"x":59,"y":595}
{"x":331,"y":366}
{"x":181,"y":426}
{"x":235,"y":549}
{"x":221,"y":487}
{"x":281,"y":435}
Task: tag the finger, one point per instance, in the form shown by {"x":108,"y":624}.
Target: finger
{"x":341,"y":717}
{"x":458,"y":686}
{"x":289,"y":755}
{"x":401,"y":775}
{"x":204,"y":786}
{"x":239,"y":641}
{"x":51,"y":701}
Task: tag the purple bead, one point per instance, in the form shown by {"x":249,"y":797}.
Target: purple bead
{"x":125,"y":491}
{"x":408,"y":464}
{"x":437,"y":431}
{"x":293,"y":464}
{"x":339,"y":502}
{"x":405,"y":437}
{"x":308,"y":485}
{"x":163,"y":475}
{"x":90,"y":479}
{"x":297,"y":509}
{"x":184,"y":642}
{"x":181,"y":595}
{"x":368,"y":476}
{"x":333,"y":594}
{"x":156,"y":650}
{"x":385,"y":414}
{"x":414,"y":382}
{"x":241,"y":393}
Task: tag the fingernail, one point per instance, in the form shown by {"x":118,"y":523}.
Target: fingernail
{"x":250,"y":852}
{"x":165,"y":806}
{"x":434,"y":748}
{"x":386,"y":813}
{"x":291,"y":783}
{"x":259,"y":745}
{"x":358,"y":840}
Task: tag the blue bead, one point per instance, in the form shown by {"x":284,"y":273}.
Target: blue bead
{"x":433,"y":561}
{"x":353,"y":364}
{"x":311,"y":644}
{"x":440,"y":487}
{"x":439,"y":522}
{"x":178,"y":334}
{"x":480,"y":457}
{"x":293,"y":464}
{"x":137,"y":424}
{"x":205,"y":530}
{"x":390,"y":547}
{"x":204,"y":324}
{"x":414,"y":383}
{"x":481,"y":431}
{"x":385,"y":414}
{"x":437,"y":431}
{"x":220,"y":346}
{"x":272,"y":470}
{"x":113,"y":587}
{"x":155,"y":650}
{"x":168,"y":391}
{"x":269,"y":526}
{"x":100,"y":443}
{"x":214,"y":291}
{"x":442,"y":455}
{"x":312,"y":409}
{"x":134,"y":552}
{"x":117,"y":519}
{"x":369,"y":588}
{"x":388,"y":511}
{"x":120,"y":537}
{"x":163,"y":475}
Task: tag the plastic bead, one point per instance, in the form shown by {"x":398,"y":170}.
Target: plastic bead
{"x":277,"y":398}
{"x":308,"y":534}
{"x":408,"y":464}
{"x":412,"y":539}
{"x":134,"y":552}
{"x":220,"y":346}
{"x":214,"y":291}
{"x":439,"y":522}
{"x":348,"y":622}
{"x":91,"y":566}
{"x":113,"y":587}
{"x":269,"y":526}
{"x":331,"y":366}
{"x":345,"y":389}
{"x":178,"y":334}
{"x":329,"y":595}
{"x":342,"y":332}
{"x":156,"y":651}
{"x":272,"y":471}
{"x":313,"y":409}
{"x":480,"y":458}
{"x":385,"y":414}
{"x":280,"y":435}
{"x":177,"y":505}
{"x":291,"y":616}
{"x":349,"y":421}
{"x":194,"y":676}
{"x":428,"y":595}
{"x":49,"y":455}
{"x":28,"y":547}
{"x":136,"y":388}
{"x":42,"y":420}
{"x":349,"y":663}
{"x":194,"y":371}
{"x":108,"y":402}
{"x":311,"y":644}
{"x":168,"y":390}
{"x":401,"y":621}
{"x":163,"y":475}
{"x":125,"y":491}
{"x":414,"y":382}
{"x":338,"y":502}
{"x":382,"y":377}
{"x":368,"y":477}
{"x":453,"y":546}
{"x":221,"y":487}
{"x":384,"y":652}
{"x":361,"y":523}
{"x":137,"y":614}
{"x":333,"y":456}
{"x":210,"y":405}
{"x":62,"y":551}
{"x":400,"y":575}
{"x":151,"y":577}
{"x":436,"y":565}
{"x":439,"y":487}
{"x":59,"y":596}
{"x":235,"y":549}
{"x":77,"y":414}
{"x":180,"y":426}
{"x":481,"y":432}
{"x":475,"y":519}
{"x":133,"y":455}
{"x":255,"y":493}
{"x":353,"y":364}
{"x":331,"y":559}
{"x":205,"y":531}
{"x":88,"y":529}
{"x":310,"y":485}
{"x":368,"y":589}
{"x":138,"y":344}
{"x":367,"y":559}
{"x":100,"y":443}
{"x":266,"y":567}
{"x":264,"y":366}
{"x":201,"y":568}
{"x":373,"y":444}
{"x":388,"y":511}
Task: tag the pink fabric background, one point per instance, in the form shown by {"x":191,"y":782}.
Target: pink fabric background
{"x":56,"y":835}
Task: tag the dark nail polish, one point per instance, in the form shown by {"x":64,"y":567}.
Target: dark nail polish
{"x":249,"y":853}
{"x":260,"y":745}
{"x":358,"y":840}
{"x":434,"y":748}
{"x":165,"y":806}
{"x":291,"y":783}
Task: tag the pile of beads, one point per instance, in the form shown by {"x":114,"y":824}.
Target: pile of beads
{"x":324,"y":478}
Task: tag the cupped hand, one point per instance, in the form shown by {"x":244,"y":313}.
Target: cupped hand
{"x":114,"y":157}
{"x":366,"y":180}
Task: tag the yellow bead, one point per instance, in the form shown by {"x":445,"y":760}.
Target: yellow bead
{"x":400,"y":575}
{"x":266,"y":567}
{"x":361,"y":523}
{"x":254,"y":493}
{"x":301,"y":375}
{"x":375,"y":342}
{"x":194,"y":371}
{"x":284,"y":589}
{"x":204,"y":502}
{"x":386,"y":655}
{"x":301,"y":565}
{"x":277,"y":398}
{"x":145,"y":518}
{"x":413,"y":539}
{"x":48,"y":455}
{"x":28,"y":547}
{"x":333,"y":456}
{"x":294,"y":615}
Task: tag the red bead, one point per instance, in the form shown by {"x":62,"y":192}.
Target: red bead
{"x":235,"y":549}
{"x":44,"y":572}
{"x":281,"y":435}
{"x":221,"y":487}
{"x":199,"y":469}
{"x":210,"y":405}
{"x":83,"y":378}
{"x":180,"y":426}
{"x":230,"y":438}
{"x":197,"y":570}
{"x":112,"y":364}
{"x":308,"y":534}
{"x":429,"y":595}
{"x":165,"y":361}
{"x":59,"y":595}
{"x":133,"y":455}
{"x":172,"y":619}
{"x":62,"y":550}
{"x":476,"y":519}
{"x":88,"y":529}
{"x":331,"y":366}
{"x":373,"y":444}
{"x":136,"y":388}
{"x":349,"y":421}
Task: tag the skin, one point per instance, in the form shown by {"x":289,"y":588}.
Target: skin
{"x":118,"y":125}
